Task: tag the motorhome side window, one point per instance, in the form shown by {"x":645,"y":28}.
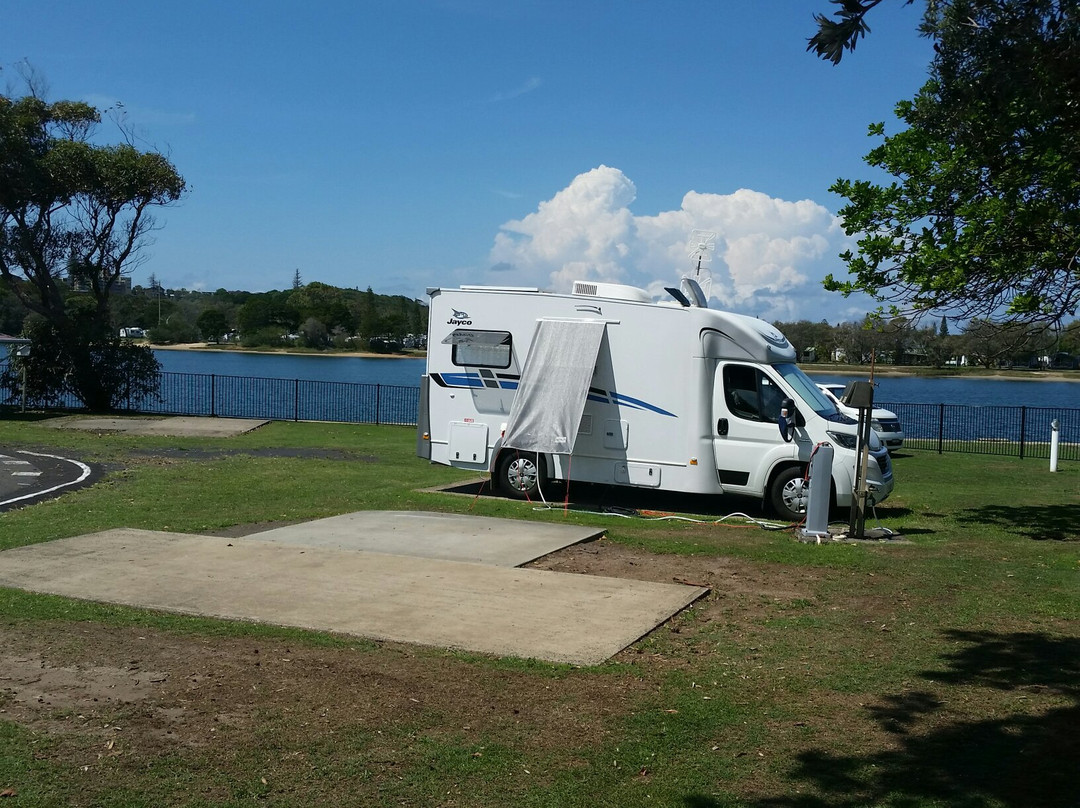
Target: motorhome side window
{"x":482,"y":349}
{"x":750,"y":394}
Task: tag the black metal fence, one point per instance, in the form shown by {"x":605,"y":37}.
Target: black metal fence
{"x":272,"y":399}
{"x":1012,"y":431}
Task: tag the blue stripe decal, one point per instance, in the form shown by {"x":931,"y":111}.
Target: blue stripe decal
{"x":463,"y":379}
{"x":637,"y":403}
{"x":473,"y":380}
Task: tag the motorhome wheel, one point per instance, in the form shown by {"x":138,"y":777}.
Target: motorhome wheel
{"x":788,"y":494}
{"x":518,"y":474}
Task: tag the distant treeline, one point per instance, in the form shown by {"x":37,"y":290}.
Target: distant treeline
{"x":899,"y":341}
{"x":314,"y":315}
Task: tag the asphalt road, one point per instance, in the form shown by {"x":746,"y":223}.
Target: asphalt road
{"x":27,"y":477}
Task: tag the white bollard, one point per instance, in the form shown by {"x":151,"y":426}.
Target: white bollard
{"x":1055,"y":436}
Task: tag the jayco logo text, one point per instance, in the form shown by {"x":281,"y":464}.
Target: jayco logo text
{"x":459,"y":318}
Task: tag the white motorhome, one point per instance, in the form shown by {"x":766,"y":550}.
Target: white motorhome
{"x":604,"y":385}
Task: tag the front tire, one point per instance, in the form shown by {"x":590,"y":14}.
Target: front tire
{"x":518,"y":474}
{"x":789,"y":494}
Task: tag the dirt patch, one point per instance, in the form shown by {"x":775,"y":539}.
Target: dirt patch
{"x":724,"y":575}
{"x":155,"y":692}
{"x":165,"y":689}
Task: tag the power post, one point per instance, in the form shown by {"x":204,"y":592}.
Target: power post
{"x":861,"y":396}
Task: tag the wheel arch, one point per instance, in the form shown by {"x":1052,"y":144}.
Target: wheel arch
{"x":802,"y":465}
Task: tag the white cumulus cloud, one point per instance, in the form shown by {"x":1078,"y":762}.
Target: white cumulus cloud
{"x":769,"y":259}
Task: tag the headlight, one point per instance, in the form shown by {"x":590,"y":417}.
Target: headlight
{"x":844,"y":439}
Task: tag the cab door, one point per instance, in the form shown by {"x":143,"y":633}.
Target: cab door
{"x":746,"y":438}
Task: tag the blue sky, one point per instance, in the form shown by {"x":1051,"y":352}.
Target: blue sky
{"x":406,"y":144}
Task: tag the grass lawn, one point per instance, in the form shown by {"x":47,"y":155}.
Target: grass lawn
{"x":943,"y":671}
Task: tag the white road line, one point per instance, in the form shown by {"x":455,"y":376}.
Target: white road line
{"x":85,"y":473}
{"x":26,"y":474}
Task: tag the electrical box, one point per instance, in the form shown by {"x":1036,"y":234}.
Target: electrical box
{"x":859,"y":395}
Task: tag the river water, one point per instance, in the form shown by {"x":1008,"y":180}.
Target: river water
{"x":406,"y":372}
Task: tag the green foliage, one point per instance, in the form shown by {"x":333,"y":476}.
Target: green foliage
{"x":72,"y":206}
{"x":987,"y":342}
{"x":90,"y":364}
{"x":983,"y":217}
{"x":12,"y":312}
{"x":266,"y":337}
{"x":313,"y":334}
{"x":212,"y":324}
{"x":268,"y":309}
{"x":176,"y":330}
{"x":843,"y":33}
{"x":327,"y":304}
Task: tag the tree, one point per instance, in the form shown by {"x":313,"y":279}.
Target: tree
{"x":813,"y":342}
{"x":937,"y":348}
{"x":270,"y":309}
{"x":71,"y":208}
{"x":313,"y":333}
{"x":983,"y":218}
{"x":324,"y":303}
{"x":12,"y":313}
{"x":122,"y":375}
{"x":835,"y":36}
{"x":989,"y":343}
{"x":212,"y":324}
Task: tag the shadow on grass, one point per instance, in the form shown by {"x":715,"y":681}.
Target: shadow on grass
{"x":12,"y":413}
{"x":622,"y":499}
{"x":1018,"y":759}
{"x":1036,"y":522}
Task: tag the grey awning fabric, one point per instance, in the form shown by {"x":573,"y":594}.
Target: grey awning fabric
{"x":546,"y":412}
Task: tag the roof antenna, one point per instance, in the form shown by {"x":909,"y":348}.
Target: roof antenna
{"x":697,"y":284}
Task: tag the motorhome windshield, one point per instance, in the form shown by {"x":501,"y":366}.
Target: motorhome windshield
{"x":806,"y":389}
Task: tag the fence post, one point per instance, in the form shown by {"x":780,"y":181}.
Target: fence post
{"x":941,"y":428}
{"x":296,"y":400}
{"x":378,"y":402}
{"x":213,"y":395}
{"x":1023,"y":429}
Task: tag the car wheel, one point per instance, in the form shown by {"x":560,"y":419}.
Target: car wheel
{"x":788,"y":494}
{"x":518,"y":474}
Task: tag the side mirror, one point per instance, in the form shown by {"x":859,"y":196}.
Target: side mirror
{"x":786,"y":421}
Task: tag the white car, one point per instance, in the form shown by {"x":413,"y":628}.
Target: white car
{"x":884,"y":422}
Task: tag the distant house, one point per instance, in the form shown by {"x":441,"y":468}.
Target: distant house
{"x":121,"y":285}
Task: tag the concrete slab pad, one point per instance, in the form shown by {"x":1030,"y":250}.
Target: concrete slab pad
{"x":449,"y":536}
{"x":559,"y":617}
{"x":172,"y":427}
{"x":100,"y":424}
{"x":191,"y":427}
